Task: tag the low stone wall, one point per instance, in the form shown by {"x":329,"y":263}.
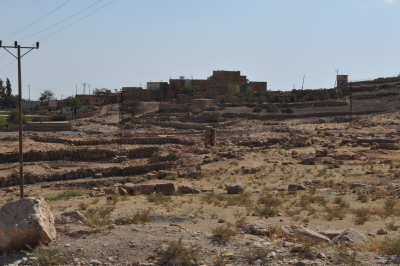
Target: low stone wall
{"x":48,"y":126}
{"x":373,"y":96}
{"x":192,"y":125}
{"x":135,"y":141}
{"x":291,"y":116}
{"x":80,"y":154}
{"x":288,"y":105}
{"x":85,"y":115}
{"x":13,"y":180}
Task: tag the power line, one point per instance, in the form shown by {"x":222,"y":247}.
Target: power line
{"x":60,"y":21}
{"x":36,"y":20}
{"x":77,"y":20}
{"x":8,"y":65}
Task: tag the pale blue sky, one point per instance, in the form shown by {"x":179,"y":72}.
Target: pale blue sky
{"x":128,"y":43}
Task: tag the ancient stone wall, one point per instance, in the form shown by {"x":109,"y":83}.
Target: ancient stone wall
{"x":48,"y":126}
{"x":109,"y":172}
{"x":168,"y":108}
{"x":79,"y":154}
{"x":286,"y":116}
{"x":135,"y":141}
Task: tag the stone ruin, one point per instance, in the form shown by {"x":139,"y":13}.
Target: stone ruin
{"x":210,"y":135}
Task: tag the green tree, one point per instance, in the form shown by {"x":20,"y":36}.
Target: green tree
{"x":133,"y":107}
{"x":14,"y":117}
{"x":272,"y":109}
{"x":187,"y":89}
{"x":8,"y":88}
{"x":46,"y":95}
{"x":73,"y":103}
{"x":3,"y":122}
{"x":97,"y":91}
{"x":2,"y":92}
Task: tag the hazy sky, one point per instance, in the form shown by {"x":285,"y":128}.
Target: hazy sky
{"x":127,"y":42}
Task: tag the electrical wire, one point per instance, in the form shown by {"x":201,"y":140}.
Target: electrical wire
{"x":36,"y":20}
{"x":61,"y":21}
{"x":77,"y":21}
{"x":8,"y":65}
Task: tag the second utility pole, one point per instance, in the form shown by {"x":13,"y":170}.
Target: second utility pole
{"x":21,"y":155}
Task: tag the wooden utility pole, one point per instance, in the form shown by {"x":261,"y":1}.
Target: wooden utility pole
{"x":21,"y":155}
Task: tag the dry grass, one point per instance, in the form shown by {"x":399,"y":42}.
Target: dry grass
{"x":140,"y":217}
{"x":184,"y":254}
{"x":223,"y":232}
{"x":254,"y":253}
{"x":219,"y":200}
{"x":362,"y":215}
{"x":50,"y":256}
{"x":158,"y":198}
{"x":98,"y":217}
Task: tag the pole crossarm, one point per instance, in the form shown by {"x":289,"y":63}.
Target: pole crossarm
{"x":9,"y":51}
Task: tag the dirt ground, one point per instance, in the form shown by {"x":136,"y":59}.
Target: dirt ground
{"x":346,"y":186}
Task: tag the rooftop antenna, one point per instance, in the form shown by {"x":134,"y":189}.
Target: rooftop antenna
{"x":84,"y":85}
{"x":89,"y":88}
{"x":303,"y":82}
{"x":337,"y":73}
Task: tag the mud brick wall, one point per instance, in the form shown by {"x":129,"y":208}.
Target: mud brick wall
{"x":85,"y":115}
{"x":79,"y":154}
{"x":13,"y":180}
{"x":258,"y":86}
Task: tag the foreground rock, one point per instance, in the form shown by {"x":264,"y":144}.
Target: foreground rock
{"x":260,"y":228}
{"x":350,"y":236}
{"x":69,"y":217}
{"x":312,"y":234}
{"x":234,"y":188}
{"x":26,"y":222}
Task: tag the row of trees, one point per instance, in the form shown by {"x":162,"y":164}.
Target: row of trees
{"x":6,"y":97}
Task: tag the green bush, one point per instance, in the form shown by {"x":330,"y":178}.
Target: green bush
{"x":257,"y":109}
{"x":36,"y":119}
{"x":272,"y":109}
{"x":14,"y":117}
{"x":212,"y":108}
{"x":58,"y":118}
{"x":187,"y":89}
{"x":287,"y":110}
{"x":3,"y":122}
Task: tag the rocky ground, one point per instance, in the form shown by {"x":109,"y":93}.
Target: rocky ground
{"x":292,"y":192}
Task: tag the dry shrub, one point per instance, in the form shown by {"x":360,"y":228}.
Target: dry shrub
{"x":269,"y":200}
{"x":84,"y":205}
{"x":362,"y":215}
{"x":335,"y":213}
{"x":266,"y":210}
{"x":343,"y":256}
{"x":242,"y":199}
{"x":98,"y":217}
{"x":50,"y":256}
{"x":391,"y":226}
{"x":255,"y":253}
{"x":223,"y":232}
{"x":184,"y":254}
{"x":140,"y":217}
{"x":158,"y":198}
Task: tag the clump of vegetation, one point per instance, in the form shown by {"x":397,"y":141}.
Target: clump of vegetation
{"x":212,"y":108}
{"x":140,"y":180}
{"x":224,"y":232}
{"x":67,"y":196}
{"x":14,"y":117}
{"x":266,"y":211}
{"x":140,"y":217}
{"x":255,"y":253}
{"x":3,"y":122}
{"x":391,"y":226}
{"x":362,"y":215}
{"x":390,"y":246}
{"x":98,"y":217}
{"x":335,"y":213}
{"x":58,"y":118}
{"x":362,"y":197}
{"x":184,"y":254}
{"x":36,"y":119}
{"x":257,"y":109}
{"x":51,"y":256}
{"x":345,"y":257}
{"x":193,"y":108}
{"x":287,"y":110}
{"x":187,"y":89}
{"x":158,"y":198}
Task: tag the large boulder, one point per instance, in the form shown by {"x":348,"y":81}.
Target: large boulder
{"x":260,"y":228}
{"x":312,"y":234}
{"x":234,"y":188}
{"x":350,"y":236}
{"x":26,"y":222}
{"x":144,"y":189}
{"x":166,"y":189}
